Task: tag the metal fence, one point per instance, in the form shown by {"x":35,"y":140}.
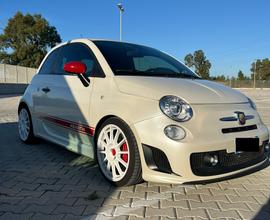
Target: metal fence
{"x":246,"y":83}
{"x":16,"y":74}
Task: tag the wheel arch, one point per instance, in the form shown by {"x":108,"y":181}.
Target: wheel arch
{"x":100,"y":122}
{"x":21,"y":105}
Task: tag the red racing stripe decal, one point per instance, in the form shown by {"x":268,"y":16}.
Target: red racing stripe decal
{"x":80,"y":128}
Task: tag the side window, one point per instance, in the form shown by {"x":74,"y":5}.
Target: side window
{"x":49,"y":62}
{"x":77,"y":52}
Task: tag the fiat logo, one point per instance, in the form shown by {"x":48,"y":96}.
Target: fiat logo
{"x":241,"y":118}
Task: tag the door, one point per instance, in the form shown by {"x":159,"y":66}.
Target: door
{"x":65,"y":101}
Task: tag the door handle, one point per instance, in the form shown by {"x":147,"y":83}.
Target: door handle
{"x":46,"y":90}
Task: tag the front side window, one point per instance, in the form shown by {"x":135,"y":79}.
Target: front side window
{"x":47,"y":67}
{"x":76,"y":52}
{"x":131,"y":59}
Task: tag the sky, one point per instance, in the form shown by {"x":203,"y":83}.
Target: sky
{"x":232,"y":33}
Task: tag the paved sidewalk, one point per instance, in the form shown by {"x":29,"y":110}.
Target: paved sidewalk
{"x":45,"y":181}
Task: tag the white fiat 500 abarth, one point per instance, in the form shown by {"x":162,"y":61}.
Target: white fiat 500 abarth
{"x":141,"y":114}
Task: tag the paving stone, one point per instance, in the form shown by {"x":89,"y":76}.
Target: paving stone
{"x":40,"y":216}
{"x":168,"y":212}
{"x":206,"y":205}
{"x":75,"y":210}
{"x":176,"y":204}
{"x":26,"y":186}
{"x":235,"y":199}
{"x":127,"y":194}
{"x":217,"y":192}
{"x":44,"y":209}
{"x":131,"y":211}
{"x":74,"y":187}
{"x":25,"y":179}
{"x":261,"y":199}
{"x":247,"y":214}
{"x":216,"y":214}
{"x":9,"y":191}
{"x":192,"y":197}
{"x":220,"y":198}
{"x":30,"y":193}
{"x":50,"y":187}
{"x":155,"y":196}
{"x":199,"y":213}
{"x":209,"y":186}
{"x":12,"y":208}
{"x":11,"y":199}
{"x":122,"y":217}
{"x":233,"y":206}
{"x":257,"y":187}
{"x":226,"y":186}
{"x":254,"y":206}
{"x":201,"y":191}
{"x":142,"y":188}
{"x":144,"y":202}
{"x":117,"y":202}
{"x":48,"y":181}
{"x":12,"y":216}
{"x":173,"y":189}
{"x":33,"y":200}
{"x":86,"y":201}
{"x":250,"y":192}
{"x":104,"y":210}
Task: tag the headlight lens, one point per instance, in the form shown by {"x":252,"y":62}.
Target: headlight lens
{"x":175,"y":108}
{"x":252,"y":104}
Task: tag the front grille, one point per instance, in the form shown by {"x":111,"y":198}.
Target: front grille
{"x":239,"y":129}
{"x":228,"y":162}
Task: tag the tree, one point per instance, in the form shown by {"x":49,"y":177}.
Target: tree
{"x":219,"y":78}
{"x":241,"y":75}
{"x":26,"y":39}
{"x":199,"y":62}
{"x":262,"y":69}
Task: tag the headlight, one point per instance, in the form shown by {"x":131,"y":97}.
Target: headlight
{"x":252,"y":104}
{"x":175,"y":108}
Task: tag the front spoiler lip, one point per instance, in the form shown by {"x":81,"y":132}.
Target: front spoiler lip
{"x":263,"y":165}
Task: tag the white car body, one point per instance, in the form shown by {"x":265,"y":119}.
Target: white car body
{"x":70,"y":113}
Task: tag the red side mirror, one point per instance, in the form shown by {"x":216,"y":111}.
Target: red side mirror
{"x":75,"y":67}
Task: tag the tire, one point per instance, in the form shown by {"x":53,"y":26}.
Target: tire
{"x":25,"y":126}
{"x":120,"y":148}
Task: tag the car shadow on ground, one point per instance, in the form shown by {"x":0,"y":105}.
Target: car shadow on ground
{"x":45,"y":179}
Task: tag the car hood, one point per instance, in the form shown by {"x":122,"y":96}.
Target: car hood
{"x":194,"y":91}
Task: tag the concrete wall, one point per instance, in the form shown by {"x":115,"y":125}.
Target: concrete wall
{"x":16,"y":74}
{"x":14,"y":79}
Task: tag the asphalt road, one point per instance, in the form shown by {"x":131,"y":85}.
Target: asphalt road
{"x":45,"y":181}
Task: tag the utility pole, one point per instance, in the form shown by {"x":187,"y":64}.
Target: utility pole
{"x":254,"y":75}
{"x":121,"y":9}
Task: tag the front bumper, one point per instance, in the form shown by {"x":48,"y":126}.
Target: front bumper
{"x":201,"y":137}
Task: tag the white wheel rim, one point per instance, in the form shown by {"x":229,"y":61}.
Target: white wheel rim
{"x":24,"y":124}
{"x":113,"y":152}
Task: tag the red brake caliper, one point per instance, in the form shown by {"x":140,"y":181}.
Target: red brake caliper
{"x":125,"y":156}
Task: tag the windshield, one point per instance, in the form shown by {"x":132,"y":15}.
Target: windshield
{"x":131,"y":59}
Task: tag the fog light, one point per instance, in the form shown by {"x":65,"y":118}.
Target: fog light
{"x":175,"y":132}
{"x":211,"y":160}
